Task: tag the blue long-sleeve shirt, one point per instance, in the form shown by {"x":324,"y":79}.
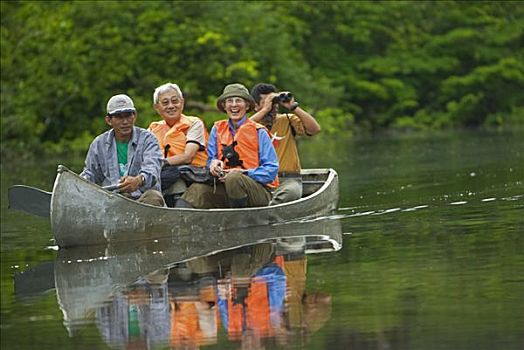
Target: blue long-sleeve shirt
{"x":267,"y":170}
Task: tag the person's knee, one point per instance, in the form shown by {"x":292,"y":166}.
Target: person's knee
{"x":234,"y":179}
{"x":197,"y":195}
{"x":287,"y":193}
{"x":152,"y":197}
{"x":237,"y":185}
{"x":296,"y":190}
{"x":192,"y":192}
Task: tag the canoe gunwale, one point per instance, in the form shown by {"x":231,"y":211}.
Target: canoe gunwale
{"x":331,"y":175}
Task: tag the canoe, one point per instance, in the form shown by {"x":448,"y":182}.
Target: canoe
{"x":87,"y":277}
{"x":83,"y":213}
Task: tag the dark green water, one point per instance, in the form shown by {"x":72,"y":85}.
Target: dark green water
{"x":432,"y":256}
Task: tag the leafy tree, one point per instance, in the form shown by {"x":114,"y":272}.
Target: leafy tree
{"x":354,"y":64}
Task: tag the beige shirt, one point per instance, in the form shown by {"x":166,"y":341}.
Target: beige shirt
{"x":196,"y":133}
{"x":286,"y":148}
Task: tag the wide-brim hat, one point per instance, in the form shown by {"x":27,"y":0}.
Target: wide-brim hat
{"x":235,"y":90}
{"x":120,"y":104}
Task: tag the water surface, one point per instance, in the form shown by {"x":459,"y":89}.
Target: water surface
{"x":432,"y":257}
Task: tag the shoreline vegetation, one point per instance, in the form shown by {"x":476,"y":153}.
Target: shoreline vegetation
{"x":73,"y":152}
{"x":358,"y":66}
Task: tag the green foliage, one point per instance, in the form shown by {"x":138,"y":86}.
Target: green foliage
{"x":333,"y":120}
{"x":378,"y":64}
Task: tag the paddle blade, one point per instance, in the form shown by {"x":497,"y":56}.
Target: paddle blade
{"x":30,"y":200}
{"x":35,"y":281}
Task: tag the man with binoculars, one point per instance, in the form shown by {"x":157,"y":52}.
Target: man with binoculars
{"x":284,"y":128}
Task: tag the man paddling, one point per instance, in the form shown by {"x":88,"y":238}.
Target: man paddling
{"x":126,"y":155}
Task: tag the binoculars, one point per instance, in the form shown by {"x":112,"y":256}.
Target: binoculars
{"x":283,"y":97}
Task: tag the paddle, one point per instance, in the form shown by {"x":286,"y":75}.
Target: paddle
{"x":30,"y":200}
{"x":35,"y":201}
{"x":35,"y":281}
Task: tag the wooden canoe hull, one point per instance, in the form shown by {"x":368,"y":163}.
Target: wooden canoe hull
{"x":83,"y":213}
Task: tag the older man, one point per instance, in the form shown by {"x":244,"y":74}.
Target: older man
{"x":182,"y":138}
{"x":125,"y":155}
{"x":240,"y":155}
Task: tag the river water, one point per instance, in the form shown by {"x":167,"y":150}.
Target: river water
{"x":426,"y":251}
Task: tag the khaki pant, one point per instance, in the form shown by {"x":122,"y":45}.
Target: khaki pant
{"x":237,"y":188}
{"x":152,"y":197}
{"x":290,"y":188}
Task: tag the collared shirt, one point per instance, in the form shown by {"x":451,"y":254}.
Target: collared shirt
{"x":143,"y":158}
{"x":285,"y":128}
{"x":268,"y":168}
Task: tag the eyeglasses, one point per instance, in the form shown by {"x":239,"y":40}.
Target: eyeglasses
{"x":174,"y":101}
{"x":235,"y":100}
{"x":123,"y":115}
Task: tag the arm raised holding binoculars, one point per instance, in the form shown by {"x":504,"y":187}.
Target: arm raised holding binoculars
{"x":269,"y":107}
{"x":266,"y":106}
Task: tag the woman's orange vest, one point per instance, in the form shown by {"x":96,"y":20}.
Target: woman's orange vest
{"x":174,"y":138}
{"x":245,"y":144}
{"x":255,"y":314}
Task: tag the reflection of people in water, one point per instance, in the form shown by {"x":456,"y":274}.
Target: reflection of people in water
{"x":193,"y":312}
{"x":139,"y":316}
{"x":305,"y":313}
{"x":255,"y":304}
{"x":256,"y":294}
{"x":264,"y":296}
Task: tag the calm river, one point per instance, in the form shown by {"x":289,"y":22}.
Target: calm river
{"x":426,"y":251}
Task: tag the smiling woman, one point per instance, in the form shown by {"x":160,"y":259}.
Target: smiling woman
{"x":248,"y":180}
{"x":236,"y":108}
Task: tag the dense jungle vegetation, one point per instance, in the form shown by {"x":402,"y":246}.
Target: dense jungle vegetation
{"x":355,"y":65}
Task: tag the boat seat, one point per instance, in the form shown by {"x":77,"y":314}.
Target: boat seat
{"x":313,"y":182}
{"x":311,"y":186}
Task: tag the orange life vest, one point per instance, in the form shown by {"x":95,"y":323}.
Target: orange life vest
{"x":253,"y":313}
{"x":186,"y":327}
{"x":245,"y":144}
{"x":174,"y":138}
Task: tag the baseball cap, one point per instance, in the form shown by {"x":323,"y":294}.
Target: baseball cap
{"x":120,"y":103}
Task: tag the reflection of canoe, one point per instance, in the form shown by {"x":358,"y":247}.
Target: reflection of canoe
{"x":86,"y":277}
{"x":83,"y":213}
